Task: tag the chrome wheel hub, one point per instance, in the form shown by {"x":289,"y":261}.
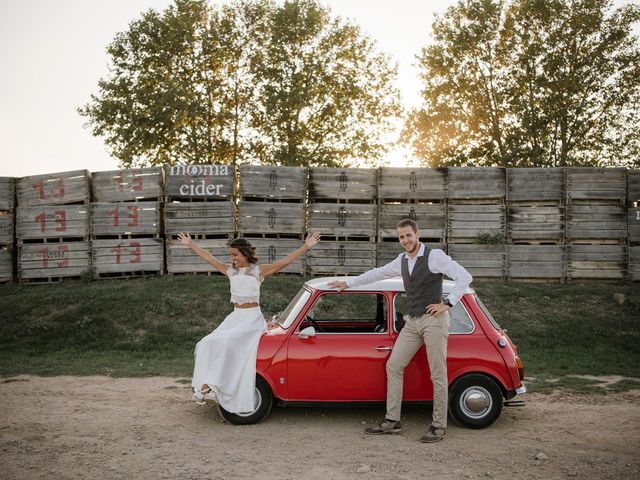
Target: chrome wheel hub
{"x":476,"y":402}
{"x":257,"y":401}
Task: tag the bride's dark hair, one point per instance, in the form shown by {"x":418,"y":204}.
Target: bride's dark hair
{"x":247,"y":250}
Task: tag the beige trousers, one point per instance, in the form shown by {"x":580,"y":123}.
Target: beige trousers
{"x":433,"y":331}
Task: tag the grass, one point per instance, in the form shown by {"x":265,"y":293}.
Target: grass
{"x":149,"y":326}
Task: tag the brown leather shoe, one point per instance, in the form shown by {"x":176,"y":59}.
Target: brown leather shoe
{"x":433,"y":435}
{"x":386,"y":426}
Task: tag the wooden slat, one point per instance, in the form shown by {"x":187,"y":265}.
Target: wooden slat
{"x":431,"y":218}
{"x":199,"y":182}
{"x":127,"y":255}
{"x":7,"y":193}
{"x":480,"y":260}
{"x":273,"y":182}
{"x":53,"y":188}
{"x":180,"y":259}
{"x":633,"y":222}
{"x":135,"y":218}
{"x":270,"y":217}
{"x":127,"y":185}
{"x":536,"y":261}
{"x":52,"y":221}
{"x":342,"y":183}
{"x":53,"y":260}
{"x":535,"y":184}
{"x":389,"y":251}
{"x":466,"y":183}
{"x":466,"y":222}
{"x":633,"y":179}
{"x":634,"y":263}
{"x":596,"y":222}
{"x":596,"y":184}
{"x":343,"y":220}
{"x":199,"y":218}
{"x":596,"y":261}
{"x":411,"y":183}
{"x":272,"y":250}
{"x":341,"y":258}
{"x":6,"y":264}
{"x":535,"y":222}
{"x":7,"y":231}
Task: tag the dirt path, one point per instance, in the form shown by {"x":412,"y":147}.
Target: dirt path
{"x":98,"y":427}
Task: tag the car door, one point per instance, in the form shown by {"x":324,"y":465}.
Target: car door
{"x":345,"y":360}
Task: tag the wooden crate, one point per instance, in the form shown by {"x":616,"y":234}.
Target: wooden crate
{"x":114,"y":257}
{"x":481,"y":261}
{"x":7,"y":193}
{"x":7,"y":232}
{"x":633,"y":223}
{"x":342,"y":183}
{"x":53,"y":189}
{"x":180,"y":259}
{"x":536,"y":261}
{"x":596,"y":261}
{"x":43,"y":262}
{"x":431,"y":219}
{"x":210,"y":218}
{"x":633,"y":179}
{"x":274,"y":183}
{"x":272,"y":250}
{"x":475,"y":183}
{"x":270,"y":217}
{"x":467,"y":221}
{"x":589,"y":184}
{"x":343,"y":219}
{"x":341,"y":258}
{"x":127,"y":185}
{"x":536,"y":223}
{"x":634,"y":263}
{"x":596,"y":223}
{"x":199,"y":182}
{"x":388,"y":251}
{"x":536,"y":185}
{"x":128,"y":218}
{"x":52,"y":221}
{"x":402,"y":184}
{"x":6,"y":264}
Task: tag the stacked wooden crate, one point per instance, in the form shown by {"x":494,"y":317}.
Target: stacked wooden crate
{"x":125,"y":223}
{"x":199,"y":201}
{"x":271,"y":211}
{"x":415,"y":193}
{"x":596,"y":223}
{"x":342,"y":208}
{"x":7,"y":231}
{"x":633,"y":223}
{"x":535,"y":223}
{"x":52,"y":226}
{"x":476,"y":219}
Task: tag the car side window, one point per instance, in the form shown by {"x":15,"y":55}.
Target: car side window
{"x":348,"y":313}
{"x":460,"y":323}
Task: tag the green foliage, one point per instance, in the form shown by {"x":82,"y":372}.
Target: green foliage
{"x":488,"y":238}
{"x":526,"y":83}
{"x":251,"y":80}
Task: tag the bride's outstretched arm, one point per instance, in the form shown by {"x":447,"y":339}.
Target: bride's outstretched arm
{"x":271,"y":268}
{"x":185,"y":239}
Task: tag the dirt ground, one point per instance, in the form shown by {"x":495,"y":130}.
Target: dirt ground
{"x":99,"y":427}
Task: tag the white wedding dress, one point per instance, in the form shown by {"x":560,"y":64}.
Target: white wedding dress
{"x":226,"y":358}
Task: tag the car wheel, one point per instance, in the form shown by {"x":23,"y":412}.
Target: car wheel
{"x":475,"y":401}
{"x":263,"y":401}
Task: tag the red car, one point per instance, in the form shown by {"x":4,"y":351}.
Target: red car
{"x":331,"y":347}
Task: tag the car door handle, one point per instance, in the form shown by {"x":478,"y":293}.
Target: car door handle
{"x":380,"y":349}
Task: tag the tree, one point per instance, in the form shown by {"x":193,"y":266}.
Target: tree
{"x":242,"y":82}
{"x":530,"y":83}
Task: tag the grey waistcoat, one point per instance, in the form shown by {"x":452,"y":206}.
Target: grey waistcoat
{"x":423,"y":287}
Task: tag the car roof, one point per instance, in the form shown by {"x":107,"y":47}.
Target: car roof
{"x":393,"y":284}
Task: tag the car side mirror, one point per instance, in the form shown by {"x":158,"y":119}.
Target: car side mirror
{"x":307,"y":332}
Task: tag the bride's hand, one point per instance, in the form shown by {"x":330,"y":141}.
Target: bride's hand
{"x":185,"y":239}
{"x":312,"y":239}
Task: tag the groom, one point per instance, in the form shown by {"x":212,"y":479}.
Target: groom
{"x":422,"y":269}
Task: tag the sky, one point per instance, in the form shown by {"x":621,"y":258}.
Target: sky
{"x":53,"y":52}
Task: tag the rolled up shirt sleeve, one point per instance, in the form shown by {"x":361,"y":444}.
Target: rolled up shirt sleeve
{"x":440,"y":262}
{"x":391,"y":269}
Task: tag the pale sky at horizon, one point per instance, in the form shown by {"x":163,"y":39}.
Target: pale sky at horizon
{"x":52,"y":54}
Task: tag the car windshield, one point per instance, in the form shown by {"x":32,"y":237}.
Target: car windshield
{"x":487,"y":314}
{"x":286,"y":318}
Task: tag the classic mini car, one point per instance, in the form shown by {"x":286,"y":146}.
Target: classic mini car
{"x":332,"y":347}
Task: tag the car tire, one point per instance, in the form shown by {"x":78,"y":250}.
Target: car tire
{"x":475,"y":401}
{"x":264,"y":402}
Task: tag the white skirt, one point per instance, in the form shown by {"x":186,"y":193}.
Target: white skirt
{"x":226,"y":359}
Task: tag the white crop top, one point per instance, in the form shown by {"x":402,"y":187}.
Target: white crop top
{"x":245,"y":284}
